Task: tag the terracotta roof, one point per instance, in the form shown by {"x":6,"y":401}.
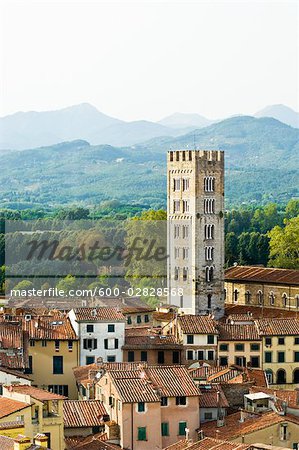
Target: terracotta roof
{"x":160,"y":316}
{"x":151,"y":341}
{"x":234,"y":428}
{"x":9,"y":406}
{"x":137,"y":309}
{"x":95,"y":442}
{"x":13,"y":424}
{"x":72,"y":441}
{"x":82,"y":372}
{"x":150,"y":383}
{"x":34,"y":392}
{"x":139,"y":331}
{"x":6,"y":443}
{"x":204,"y":372}
{"x":99,"y":314}
{"x":209,"y":397}
{"x":16,"y":373}
{"x":258,"y":312}
{"x":208,"y":444}
{"x":49,"y":328}
{"x":257,"y":376}
{"x":262,"y":275}
{"x":228,"y":332}
{"x":11,"y":335}
{"x":288,"y":396}
{"x":274,"y":327}
{"x":83,"y":413}
{"x":197,"y":324}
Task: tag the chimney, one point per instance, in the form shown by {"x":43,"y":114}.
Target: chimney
{"x":242,"y":416}
{"x":41,"y":440}
{"x":21,"y":442}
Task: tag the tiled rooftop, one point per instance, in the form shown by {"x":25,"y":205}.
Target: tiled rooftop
{"x":262,"y":275}
{"x":208,"y":444}
{"x":34,"y":392}
{"x":209,"y":396}
{"x":9,"y":406}
{"x":83,"y":413}
{"x":257,"y":312}
{"x":99,"y":314}
{"x":151,"y":341}
{"x":234,"y":428}
{"x":228,"y":332}
{"x":197,"y":324}
{"x":275,"y":327}
{"x":291,"y":397}
{"x":49,"y":328}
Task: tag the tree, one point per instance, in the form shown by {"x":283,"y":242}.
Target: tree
{"x":66,"y":284}
{"x":23,"y":285}
{"x":292,"y":209}
{"x":284,"y":245}
{"x":231,"y":248}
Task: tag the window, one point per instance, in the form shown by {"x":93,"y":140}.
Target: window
{"x":255,"y":361}
{"x":57,"y":365}
{"x":164,"y":401}
{"x":283,"y":431}
{"x":182,"y":428}
{"x":223,"y":361}
{"x":209,"y":184}
{"x":223,"y":347}
{"x":90,"y":360}
{"x":296,"y":356}
{"x":185,"y":273}
{"x":131,"y":356}
{"x":268,"y":341}
{"x":141,"y":407}
{"x":190,"y":339}
{"x":236,"y":295}
{"x":209,"y":301}
{"x":143,"y":355}
{"x":129,"y":320}
{"x":32,"y":343}
{"x":284,"y":300}
{"x":296,"y":341}
{"x":111,"y":358}
{"x":208,"y":416}
{"x":57,"y":345}
{"x":185,"y":253}
{"x":209,"y":231}
{"x":176,"y":184}
{"x":240,"y":361}
{"x":89,"y":328}
{"x":269,"y":375}
{"x":271,"y":299}
{"x":280,"y":357}
{"x":260,"y":297}
{"x":60,"y":389}
{"x":176,"y":231}
{"x":210,"y":355}
{"x":44,"y":343}
{"x":185,"y":231}
{"x":254,"y":347}
{"x":211,"y":339}
{"x":181,"y":401}
{"x":176,"y":206}
{"x":160,"y":357}
{"x":209,"y":274}
{"x":247,"y":296}
{"x":138,"y":319}
{"x":90,"y":344}
{"x":70,"y":346}
{"x":146,"y":318}
{"x":175,"y":357}
{"x":189,"y":355}
{"x":281,"y":341}
{"x":186,"y":184}
{"x":200,"y":355}
{"x":209,"y":206}
{"x":111,"y":328}
{"x":185,"y":206}
{"x":268,"y":357}
{"x":176,"y":273}
{"x":239,"y":347}
{"x":281,"y":376}
{"x":29,"y":370}
{"x":176,"y":252}
{"x":165,"y":429}
{"x":141,"y":434}
{"x":209,"y":253}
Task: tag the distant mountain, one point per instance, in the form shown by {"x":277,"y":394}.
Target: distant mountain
{"x":184,"y":120}
{"x":261,"y":159}
{"x":282,"y":113}
{"x":25,"y":130}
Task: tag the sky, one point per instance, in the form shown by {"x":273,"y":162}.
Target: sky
{"x":146,"y":60}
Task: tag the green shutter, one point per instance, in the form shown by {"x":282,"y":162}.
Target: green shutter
{"x":141,"y":433}
{"x":182,"y":426}
{"x":165,"y":429}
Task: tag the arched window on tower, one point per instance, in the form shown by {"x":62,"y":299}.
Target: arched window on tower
{"x":260,"y":297}
{"x":284,"y":300}
{"x":209,"y":301}
{"x":272,"y":298}
{"x":247,"y":297}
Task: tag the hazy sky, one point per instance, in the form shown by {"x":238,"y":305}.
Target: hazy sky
{"x":139,"y":59}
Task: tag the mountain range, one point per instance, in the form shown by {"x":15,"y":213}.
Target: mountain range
{"x":25,"y":130}
{"x":261,"y":154}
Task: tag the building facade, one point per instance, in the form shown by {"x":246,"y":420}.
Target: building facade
{"x":195,"y":206}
